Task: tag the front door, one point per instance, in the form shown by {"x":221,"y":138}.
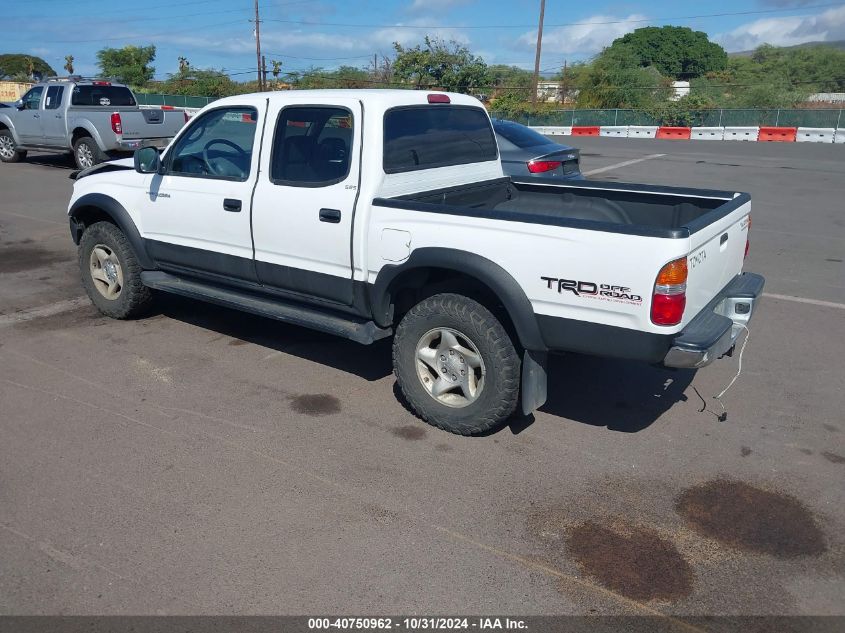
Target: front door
{"x":305,"y":199}
{"x":196,"y":215}
{"x":28,"y":119}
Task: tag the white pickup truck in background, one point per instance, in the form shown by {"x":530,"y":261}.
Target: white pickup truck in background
{"x":371,"y":213}
{"x":95,"y":119}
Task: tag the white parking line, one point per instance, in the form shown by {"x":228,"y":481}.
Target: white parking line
{"x":622,"y":164}
{"x":814,"y":302}
{"x":44,"y":311}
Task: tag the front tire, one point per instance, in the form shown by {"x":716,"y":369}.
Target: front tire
{"x":111,"y":273}
{"x":9,"y":152}
{"x":86,"y":152}
{"x":456,"y":365}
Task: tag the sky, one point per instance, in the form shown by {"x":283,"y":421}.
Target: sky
{"x":329,"y":33}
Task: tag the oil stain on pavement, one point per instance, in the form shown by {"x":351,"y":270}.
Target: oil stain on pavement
{"x":17,"y":258}
{"x":748,"y":518}
{"x":315,"y":404}
{"x":409,"y":432}
{"x":633,"y":561}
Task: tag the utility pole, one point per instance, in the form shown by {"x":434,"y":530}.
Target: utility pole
{"x":263,"y":73}
{"x":539,"y":47}
{"x":258,"y":48}
{"x":563,"y":84}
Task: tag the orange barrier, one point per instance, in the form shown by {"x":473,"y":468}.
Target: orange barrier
{"x":586,"y":130}
{"x":778,"y":134}
{"x":674,"y":132}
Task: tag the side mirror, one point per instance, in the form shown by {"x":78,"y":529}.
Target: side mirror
{"x":147,"y":160}
{"x":19,"y":104}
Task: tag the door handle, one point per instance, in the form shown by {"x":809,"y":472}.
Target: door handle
{"x":230,"y":204}
{"x":330,"y":215}
{"x":36,"y":116}
{"x":724,"y":239}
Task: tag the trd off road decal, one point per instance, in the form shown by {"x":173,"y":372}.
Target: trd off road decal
{"x":592,"y":290}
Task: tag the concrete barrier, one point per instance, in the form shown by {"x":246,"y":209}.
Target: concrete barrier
{"x":839,"y":137}
{"x":741,"y":133}
{"x":676,"y":133}
{"x":642,"y":131}
{"x":585,"y":130}
{"x":614,"y":130}
{"x":708,"y":133}
{"x":558,"y":130}
{"x":815,"y":134}
{"x":777,"y":134}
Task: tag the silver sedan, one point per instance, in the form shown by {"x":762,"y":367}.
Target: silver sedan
{"x":525,"y":153}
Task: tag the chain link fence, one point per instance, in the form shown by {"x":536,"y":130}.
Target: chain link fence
{"x":832,"y":118}
{"x":178,"y":101}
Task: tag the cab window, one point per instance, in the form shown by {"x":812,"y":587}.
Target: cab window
{"x":217,"y":144}
{"x":312,"y":146}
{"x":32,"y":99}
{"x":54,"y":97}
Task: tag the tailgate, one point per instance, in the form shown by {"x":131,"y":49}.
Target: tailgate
{"x":717,"y":251}
{"x":151,"y":123}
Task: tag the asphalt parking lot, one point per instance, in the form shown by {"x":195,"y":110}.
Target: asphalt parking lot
{"x":203,"y":461}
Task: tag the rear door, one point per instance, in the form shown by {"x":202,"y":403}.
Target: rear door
{"x":305,"y":199}
{"x":195,"y":216}
{"x":53,"y":124}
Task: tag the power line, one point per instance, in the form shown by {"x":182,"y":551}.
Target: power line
{"x":562,"y":24}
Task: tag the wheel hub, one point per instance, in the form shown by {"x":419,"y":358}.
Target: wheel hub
{"x":450,"y":367}
{"x":111,"y":270}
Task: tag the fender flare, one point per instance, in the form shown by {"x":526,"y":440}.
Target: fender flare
{"x":7,"y":121}
{"x":119,"y":216}
{"x":85,"y":124}
{"x":496,"y":278}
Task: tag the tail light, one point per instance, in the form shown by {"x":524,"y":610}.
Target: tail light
{"x":540,"y":166}
{"x":670,"y":293}
{"x":438,"y":98}
{"x":116,"y":124}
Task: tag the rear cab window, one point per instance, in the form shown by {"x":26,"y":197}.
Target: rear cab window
{"x":429,"y":136}
{"x":102,"y":95}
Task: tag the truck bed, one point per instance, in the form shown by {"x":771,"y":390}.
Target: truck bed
{"x":625,"y":208}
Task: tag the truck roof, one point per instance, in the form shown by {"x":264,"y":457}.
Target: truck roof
{"x":381,"y":98}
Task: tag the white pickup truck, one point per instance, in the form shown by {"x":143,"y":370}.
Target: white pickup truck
{"x":371,"y":213}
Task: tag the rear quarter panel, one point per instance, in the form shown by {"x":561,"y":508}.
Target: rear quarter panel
{"x":539,"y":257}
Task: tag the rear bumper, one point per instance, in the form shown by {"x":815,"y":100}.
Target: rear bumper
{"x":712,"y":333}
{"x":132,"y":145}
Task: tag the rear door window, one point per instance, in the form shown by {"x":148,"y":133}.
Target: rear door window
{"x":427,"y":136}
{"x":54,"y":97}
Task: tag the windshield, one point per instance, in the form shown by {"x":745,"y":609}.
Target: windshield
{"x":106,"y":96}
{"x":519,"y":135}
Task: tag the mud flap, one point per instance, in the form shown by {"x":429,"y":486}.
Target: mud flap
{"x":534,"y":382}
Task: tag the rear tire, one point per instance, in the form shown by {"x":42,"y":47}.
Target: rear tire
{"x":111,"y":273}
{"x":9,"y":152}
{"x":86,"y":152}
{"x":456,"y":365}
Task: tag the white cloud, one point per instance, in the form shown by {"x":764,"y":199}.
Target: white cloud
{"x":786,"y":31}
{"x":585,"y":38}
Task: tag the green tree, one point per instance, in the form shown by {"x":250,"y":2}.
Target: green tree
{"x":441,"y":65}
{"x":69,"y":64}
{"x":129,"y":65}
{"x":202,"y":83}
{"x":676,"y":51}
{"x":343,"y":77}
{"x":21,"y":66}
{"x":510,"y":80}
{"x":615,"y":79}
